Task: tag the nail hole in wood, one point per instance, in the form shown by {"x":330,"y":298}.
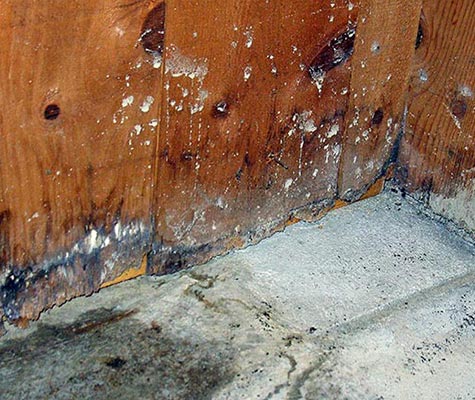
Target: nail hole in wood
{"x":52,"y":111}
{"x":459,"y":108}
{"x":378,"y":117}
{"x":221,"y":109}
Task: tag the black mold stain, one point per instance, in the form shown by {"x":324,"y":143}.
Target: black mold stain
{"x":33,"y":281}
{"x":115,"y":362}
{"x":239,"y":174}
{"x":171,"y":260}
{"x":52,"y":112}
{"x":153,"y":30}
{"x":246,"y":165}
{"x":276,"y":160}
{"x":378,"y":117}
{"x":334,"y":54}
{"x":14,"y":283}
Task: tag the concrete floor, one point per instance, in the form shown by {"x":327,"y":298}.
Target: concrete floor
{"x":376,"y":301}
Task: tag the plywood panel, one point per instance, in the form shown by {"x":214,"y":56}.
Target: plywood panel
{"x":384,"y":51}
{"x":76,"y":145}
{"x":438,"y":153}
{"x":255,"y":95}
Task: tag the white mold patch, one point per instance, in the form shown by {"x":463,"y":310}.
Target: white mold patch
{"x":138,"y":129}
{"x":247,"y":72}
{"x":199,"y":105}
{"x":249,"y":37}
{"x":465,"y":91}
{"x":157,"y":61}
{"x":288,"y":183}
{"x":146,"y":104}
{"x":304,"y":121}
{"x":178,"y":64}
{"x":333,"y":131}
{"x":318,"y":81}
{"x":127,"y":101}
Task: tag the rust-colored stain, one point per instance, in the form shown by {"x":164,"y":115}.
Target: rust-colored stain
{"x":129,"y":274}
{"x":292,"y":221}
{"x":375,"y":189}
{"x":339,"y":204}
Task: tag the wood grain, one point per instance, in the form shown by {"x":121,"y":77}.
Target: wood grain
{"x":246,"y":134}
{"x":384,"y":51}
{"x":438,"y":153}
{"x":75,"y":150}
{"x":168,"y":132}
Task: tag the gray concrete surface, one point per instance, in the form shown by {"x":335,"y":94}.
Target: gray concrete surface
{"x":375,"y":301}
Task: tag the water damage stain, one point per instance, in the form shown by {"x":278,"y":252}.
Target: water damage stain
{"x":129,"y":357}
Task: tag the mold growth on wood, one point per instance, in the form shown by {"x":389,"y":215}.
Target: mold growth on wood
{"x":96,"y":259}
{"x":185,"y":148}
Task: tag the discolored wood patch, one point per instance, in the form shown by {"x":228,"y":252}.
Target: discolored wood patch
{"x":335,"y":53}
{"x":153,"y":30}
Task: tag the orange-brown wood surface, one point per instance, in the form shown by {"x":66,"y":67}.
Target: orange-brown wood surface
{"x":180,"y":129}
{"x":382,"y":62}
{"x":76,"y":151}
{"x":246,"y":135}
{"x":438,"y":153}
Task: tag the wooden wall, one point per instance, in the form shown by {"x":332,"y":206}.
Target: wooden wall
{"x":437,"y":154}
{"x":153,"y":135}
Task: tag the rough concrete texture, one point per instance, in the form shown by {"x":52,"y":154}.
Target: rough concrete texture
{"x":376,"y":301}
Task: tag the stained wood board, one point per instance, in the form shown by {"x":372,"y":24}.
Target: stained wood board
{"x":437,"y":153}
{"x":381,"y":67}
{"x":77,"y":141}
{"x":247,"y":133}
{"x":143,"y":136}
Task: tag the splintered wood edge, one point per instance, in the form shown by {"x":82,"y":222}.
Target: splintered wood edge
{"x":129,"y":274}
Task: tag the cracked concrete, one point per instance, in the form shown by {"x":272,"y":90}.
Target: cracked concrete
{"x":375,"y":301}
